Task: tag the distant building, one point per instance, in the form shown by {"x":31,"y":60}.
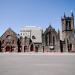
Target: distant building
{"x":34,"y":34}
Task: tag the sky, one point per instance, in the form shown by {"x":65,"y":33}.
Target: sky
{"x":18,"y":13}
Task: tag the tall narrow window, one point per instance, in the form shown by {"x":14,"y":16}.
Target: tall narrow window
{"x":2,"y":41}
{"x":46,"y":40}
{"x":49,"y":38}
{"x":69,"y":25}
{"x":13,"y":41}
{"x":66,"y":25}
{"x":53,"y":40}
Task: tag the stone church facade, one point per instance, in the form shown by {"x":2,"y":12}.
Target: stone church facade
{"x":9,"y":41}
{"x":51,"y":40}
{"x":32,"y":38}
{"x":37,"y":40}
{"x":68,"y":34}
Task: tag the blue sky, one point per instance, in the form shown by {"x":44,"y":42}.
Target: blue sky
{"x":18,"y":13}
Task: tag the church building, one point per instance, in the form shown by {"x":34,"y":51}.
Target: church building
{"x":51,"y":40}
{"x":68,"y":33}
{"x":9,"y":41}
{"x":34,"y":39}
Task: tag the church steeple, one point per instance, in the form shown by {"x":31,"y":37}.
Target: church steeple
{"x":59,"y":33}
{"x":67,"y":25}
{"x":72,"y":13}
{"x":64,"y":15}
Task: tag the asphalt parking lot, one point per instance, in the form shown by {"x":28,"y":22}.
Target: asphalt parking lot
{"x":37,"y":64}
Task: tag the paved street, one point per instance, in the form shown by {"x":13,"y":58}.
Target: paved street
{"x":37,"y":64}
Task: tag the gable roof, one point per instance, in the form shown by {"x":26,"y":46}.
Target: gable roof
{"x":49,"y":28}
{"x":10,"y":31}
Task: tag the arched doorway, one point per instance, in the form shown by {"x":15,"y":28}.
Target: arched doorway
{"x":61,"y":45}
{"x":8,"y":48}
{"x":25,"y":48}
{"x":69,"y":47}
{"x":32,"y":47}
{"x":36,"y":48}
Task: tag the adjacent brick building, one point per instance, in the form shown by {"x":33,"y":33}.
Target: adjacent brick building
{"x":9,"y":41}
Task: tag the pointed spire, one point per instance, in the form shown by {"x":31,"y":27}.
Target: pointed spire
{"x":72,"y":13}
{"x":50,"y":26}
{"x":58,"y":30}
{"x":9,"y":28}
{"x":64,"y":15}
{"x":59,"y":33}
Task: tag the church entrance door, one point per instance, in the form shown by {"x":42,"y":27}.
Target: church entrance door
{"x":69,"y":47}
{"x":8,"y":48}
{"x":32,"y":47}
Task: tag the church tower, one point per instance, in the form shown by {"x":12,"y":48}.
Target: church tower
{"x":67,"y":25}
{"x":68,"y":32}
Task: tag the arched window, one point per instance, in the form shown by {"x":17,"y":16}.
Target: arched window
{"x":2,"y":41}
{"x":33,"y":37}
{"x":9,"y":39}
{"x":68,"y":25}
{"x":53,"y":40}
{"x":13,"y":41}
{"x":49,"y":38}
